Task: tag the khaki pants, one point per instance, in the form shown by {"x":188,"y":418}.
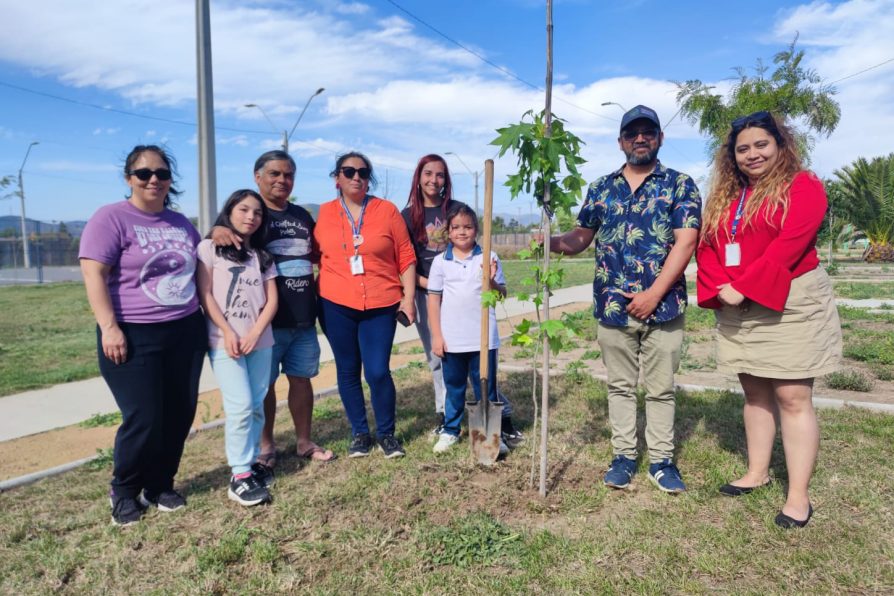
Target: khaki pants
{"x":659,"y":346}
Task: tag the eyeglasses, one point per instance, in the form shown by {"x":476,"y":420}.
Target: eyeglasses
{"x":349,"y":172}
{"x":145,"y":174}
{"x":649,"y":134}
{"x":762,"y":117}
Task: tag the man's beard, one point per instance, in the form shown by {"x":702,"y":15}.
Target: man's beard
{"x":642,"y":160}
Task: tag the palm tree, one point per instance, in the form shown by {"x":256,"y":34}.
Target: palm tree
{"x":868,"y":188}
{"x":791,"y":90}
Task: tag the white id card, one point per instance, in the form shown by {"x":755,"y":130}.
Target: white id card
{"x":733,"y":255}
{"x":356,"y":265}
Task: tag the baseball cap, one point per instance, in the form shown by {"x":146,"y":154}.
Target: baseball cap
{"x":637,"y":113}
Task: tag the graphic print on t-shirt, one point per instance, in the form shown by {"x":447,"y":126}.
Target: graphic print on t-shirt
{"x":289,"y":241}
{"x":168,"y":277}
{"x":437,"y":235}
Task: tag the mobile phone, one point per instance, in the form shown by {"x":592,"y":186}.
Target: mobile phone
{"x":402,"y":318}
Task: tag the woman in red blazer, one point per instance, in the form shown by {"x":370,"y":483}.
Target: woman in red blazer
{"x":777,"y":323}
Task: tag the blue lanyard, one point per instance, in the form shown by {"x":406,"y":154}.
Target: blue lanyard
{"x":732,"y":234}
{"x":355,"y":227}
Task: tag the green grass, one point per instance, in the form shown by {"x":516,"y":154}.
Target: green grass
{"x":577,"y":272}
{"x":861,"y":290}
{"x":439,"y":524}
{"x":47,"y":336}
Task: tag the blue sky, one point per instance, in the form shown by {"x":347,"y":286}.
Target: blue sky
{"x":395,"y":89}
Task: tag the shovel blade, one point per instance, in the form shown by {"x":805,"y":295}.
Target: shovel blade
{"x":485,"y":418}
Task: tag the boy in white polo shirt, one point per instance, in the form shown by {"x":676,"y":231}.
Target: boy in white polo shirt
{"x":454,"y":307}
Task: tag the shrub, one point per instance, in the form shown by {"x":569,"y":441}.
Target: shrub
{"x":850,"y":380}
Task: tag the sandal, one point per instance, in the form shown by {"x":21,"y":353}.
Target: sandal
{"x":318,"y":454}
{"x":268,"y":458}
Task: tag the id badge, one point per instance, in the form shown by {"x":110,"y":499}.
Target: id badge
{"x":356,"y":265}
{"x":733,"y":255}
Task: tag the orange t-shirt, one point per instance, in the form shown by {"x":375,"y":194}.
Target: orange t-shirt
{"x":386,"y":252}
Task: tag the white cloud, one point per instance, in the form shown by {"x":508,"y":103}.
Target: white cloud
{"x":351,"y":8}
{"x":841,"y":40}
{"x":106,"y":131}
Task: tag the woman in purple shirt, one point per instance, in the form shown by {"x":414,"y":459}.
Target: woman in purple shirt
{"x":138,"y":259}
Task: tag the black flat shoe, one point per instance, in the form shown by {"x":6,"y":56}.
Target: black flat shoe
{"x":787,"y":523}
{"x":731,"y":490}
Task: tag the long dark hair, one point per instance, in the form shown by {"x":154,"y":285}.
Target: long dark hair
{"x":169,"y":160}
{"x":416,"y":202}
{"x":255,"y":242}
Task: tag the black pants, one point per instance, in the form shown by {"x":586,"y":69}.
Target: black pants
{"x":156,"y":390}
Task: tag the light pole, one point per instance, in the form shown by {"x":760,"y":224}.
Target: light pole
{"x":611,"y":103}
{"x":25,"y":247}
{"x":286,"y":135}
{"x":473,"y":173}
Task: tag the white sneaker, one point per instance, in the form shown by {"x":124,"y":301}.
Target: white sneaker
{"x":504,"y":448}
{"x":445,"y":442}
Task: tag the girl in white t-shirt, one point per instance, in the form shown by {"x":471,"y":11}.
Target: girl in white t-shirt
{"x":238,"y":292}
{"x":454,"y":304}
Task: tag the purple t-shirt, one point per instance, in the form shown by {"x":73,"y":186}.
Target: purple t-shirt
{"x":238,"y":289}
{"x":152,"y":258}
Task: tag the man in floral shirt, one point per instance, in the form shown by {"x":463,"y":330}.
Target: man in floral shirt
{"x":645,"y":219}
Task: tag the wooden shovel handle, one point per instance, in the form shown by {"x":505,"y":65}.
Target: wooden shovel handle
{"x":485,"y":267}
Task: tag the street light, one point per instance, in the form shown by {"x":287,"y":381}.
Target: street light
{"x":611,"y":103}
{"x":286,"y":135}
{"x":25,"y":247}
{"x":473,"y":173}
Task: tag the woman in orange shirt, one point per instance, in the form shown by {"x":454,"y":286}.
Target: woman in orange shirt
{"x":367,"y":283}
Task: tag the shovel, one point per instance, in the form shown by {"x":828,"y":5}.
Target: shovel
{"x":485,"y":416}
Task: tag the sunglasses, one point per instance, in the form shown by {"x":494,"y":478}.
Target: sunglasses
{"x":650,"y":134}
{"x":145,"y":174}
{"x":349,"y":172}
{"x":763,"y":117}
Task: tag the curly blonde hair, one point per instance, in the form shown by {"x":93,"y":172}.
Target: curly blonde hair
{"x":727,"y":181}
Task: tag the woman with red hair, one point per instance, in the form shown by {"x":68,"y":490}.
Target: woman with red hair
{"x":431,"y":197}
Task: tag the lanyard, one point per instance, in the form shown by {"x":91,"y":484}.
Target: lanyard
{"x":732,"y":234}
{"x":355,"y":226}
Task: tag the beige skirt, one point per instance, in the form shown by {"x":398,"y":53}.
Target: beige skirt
{"x":803,"y":341}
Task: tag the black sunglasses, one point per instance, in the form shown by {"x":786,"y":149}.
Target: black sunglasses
{"x":762,"y":117}
{"x":650,"y":134}
{"x":349,"y":172}
{"x":145,"y":174}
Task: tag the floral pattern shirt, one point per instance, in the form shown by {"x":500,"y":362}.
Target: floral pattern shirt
{"x":634,"y":235}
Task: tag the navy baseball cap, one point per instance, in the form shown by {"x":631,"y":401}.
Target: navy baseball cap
{"x":638,"y":113}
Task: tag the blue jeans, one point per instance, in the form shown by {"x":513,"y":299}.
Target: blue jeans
{"x":243,"y":384}
{"x":362,"y":338}
{"x":460,"y":367}
{"x":297,"y":350}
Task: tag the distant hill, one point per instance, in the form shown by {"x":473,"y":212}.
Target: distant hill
{"x":12,"y":223}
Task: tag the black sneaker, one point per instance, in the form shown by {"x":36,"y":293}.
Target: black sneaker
{"x":125,"y":510}
{"x":390,"y":446}
{"x":166,"y":500}
{"x":264,"y":474}
{"x":248,"y":491}
{"x":361,"y":445}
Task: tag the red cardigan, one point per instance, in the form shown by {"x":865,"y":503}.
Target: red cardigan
{"x":772,"y":254}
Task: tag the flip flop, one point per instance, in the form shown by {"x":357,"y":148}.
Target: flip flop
{"x":318,"y":454}
{"x":268,"y":458}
